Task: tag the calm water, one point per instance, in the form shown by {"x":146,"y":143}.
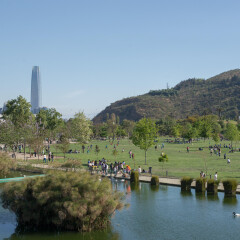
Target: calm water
{"x":154,"y":214}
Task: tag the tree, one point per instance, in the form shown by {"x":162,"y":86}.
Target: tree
{"x":163,"y":158}
{"x":216,"y":129}
{"x":18,"y":111}
{"x":112,"y":126}
{"x":49,"y":121}
{"x":80,"y":128}
{"x":188,"y":131}
{"x":128,"y":126}
{"x":232,"y":133}
{"x":64,"y":143}
{"x":19,"y":114}
{"x":97,"y":150}
{"x":144,"y":134}
{"x":115,"y":153}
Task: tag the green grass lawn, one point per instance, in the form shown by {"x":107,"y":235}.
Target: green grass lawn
{"x":180,"y":162}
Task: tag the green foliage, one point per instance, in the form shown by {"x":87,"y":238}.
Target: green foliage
{"x":63,"y":201}
{"x":134,"y":177}
{"x":80,"y":128}
{"x":63,"y":143}
{"x":115,"y":152}
{"x":97,"y":150}
{"x":163,"y":158}
{"x":144,"y":135}
{"x":112,"y":126}
{"x":186,"y":183}
{"x":18,"y":111}
{"x":230,"y":187}
{"x":72,"y":164}
{"x":163,"y":92}
{"x":200,"y":184}
{"x":232,"y":132}
{"x":212,"y":186}
{"x":128,"y":126}
{"x":6,"y":164}
{"x":155,"y":180}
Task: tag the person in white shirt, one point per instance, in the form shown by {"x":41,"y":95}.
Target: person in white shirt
{"x":139,"y":169}
{"x":215,"y":176}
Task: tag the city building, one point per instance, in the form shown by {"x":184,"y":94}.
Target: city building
{"x":36,"y":90}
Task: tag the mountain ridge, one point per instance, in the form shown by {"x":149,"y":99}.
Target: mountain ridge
{"x":219,"y":94}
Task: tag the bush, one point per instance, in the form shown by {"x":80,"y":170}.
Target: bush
{"x":155,"y":180}
{"x":212,"y":186}
{"x":72,"y":164}
{"x":230,"y":187}
{"x":63,"y":201}
{"x":186,"y":183}
{"x":134,"y":177}
{"x":200,"y":184}
{"x":6,"y":164}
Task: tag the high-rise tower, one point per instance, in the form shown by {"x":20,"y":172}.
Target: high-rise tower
{"x":36,"y":90}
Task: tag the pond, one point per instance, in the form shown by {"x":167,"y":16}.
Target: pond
{"x":163,"y":213}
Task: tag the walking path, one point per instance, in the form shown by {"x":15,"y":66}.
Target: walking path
{"x":175,"y":182}
{"x":162,"y":180}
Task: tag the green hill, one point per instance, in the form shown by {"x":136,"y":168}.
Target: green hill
{"x":217,"y":95}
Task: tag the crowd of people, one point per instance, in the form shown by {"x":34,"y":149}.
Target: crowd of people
{"x":106,"y":168}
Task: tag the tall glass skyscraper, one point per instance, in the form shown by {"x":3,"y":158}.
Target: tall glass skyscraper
{"x":36,"y":90}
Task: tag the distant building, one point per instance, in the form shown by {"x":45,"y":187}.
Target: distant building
{"x":36,"y":90}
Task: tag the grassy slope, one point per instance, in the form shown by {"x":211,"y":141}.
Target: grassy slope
{"x":180,"y":162}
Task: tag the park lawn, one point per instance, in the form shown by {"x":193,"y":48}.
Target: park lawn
{"x":180,"y":162}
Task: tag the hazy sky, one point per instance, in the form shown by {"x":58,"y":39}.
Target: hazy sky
{"x":94,"y":52}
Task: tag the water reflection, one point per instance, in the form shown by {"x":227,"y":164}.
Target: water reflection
{"x":154,"y":188}
{"x":200,"y":195}
{"x":212,"y":197}
{"x":135,"y":187}
{"x":65,"y":235}
{"x":186,"y":193}
{"x":230,"y":200}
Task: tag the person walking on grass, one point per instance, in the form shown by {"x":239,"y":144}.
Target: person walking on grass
{"x":187,"y":149}
{"x":215,"y":176}
{"x":44,"y":158}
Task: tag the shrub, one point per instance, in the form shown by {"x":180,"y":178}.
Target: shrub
{"x":186,"y":183}
{"x":62,"y":201}
{"x":72,"y":164}
{"x":212,"y":186}
{"x":6,"y":164}
{"x":155,"y":180}
{"x":134,"y":177}
{"x":230,"y":187}
{"x":200,"y":184}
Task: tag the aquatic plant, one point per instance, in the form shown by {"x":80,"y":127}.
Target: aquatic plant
{"x":155,"y":180}
{"x":186,"y":183}
{"x":62,"y":201}
{"x":230,"y":187}
{"x":212,"y":186}
{"x":200,"y":184}
{"x":134,"y":177}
